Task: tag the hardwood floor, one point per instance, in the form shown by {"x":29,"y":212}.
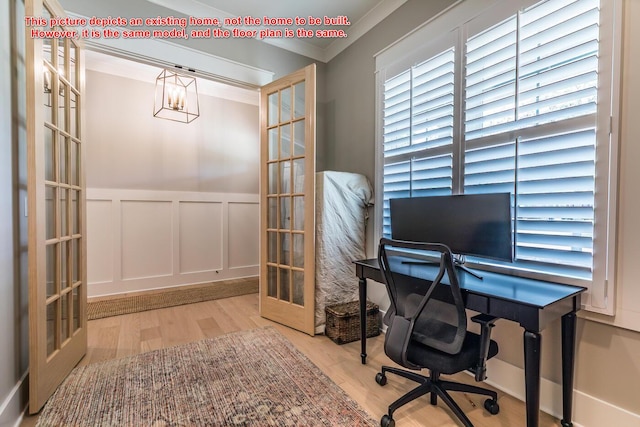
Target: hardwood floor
{"x":121,"y":336}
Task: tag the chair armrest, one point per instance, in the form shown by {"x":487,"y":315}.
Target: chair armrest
{"x":486,"y":323}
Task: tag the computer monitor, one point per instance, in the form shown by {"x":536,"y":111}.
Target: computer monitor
{"x":469,"y":224}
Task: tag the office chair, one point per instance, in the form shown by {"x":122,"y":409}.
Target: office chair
{"x":428,"y":333}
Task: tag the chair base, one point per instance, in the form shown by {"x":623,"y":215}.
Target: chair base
{"x":438,"y":388}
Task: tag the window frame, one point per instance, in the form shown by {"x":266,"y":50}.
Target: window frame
{"x":458,"y":21}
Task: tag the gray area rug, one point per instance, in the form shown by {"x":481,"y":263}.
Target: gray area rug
{"x":248,"y":378}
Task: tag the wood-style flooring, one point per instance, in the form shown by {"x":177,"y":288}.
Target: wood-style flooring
{"x":130,"y":334}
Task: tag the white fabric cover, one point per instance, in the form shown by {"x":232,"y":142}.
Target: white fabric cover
{"x":341,"y":215}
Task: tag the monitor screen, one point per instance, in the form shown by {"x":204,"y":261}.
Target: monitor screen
{"x":469,"y":224}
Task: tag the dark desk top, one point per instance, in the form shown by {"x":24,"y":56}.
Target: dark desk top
{"x":531,"y":292}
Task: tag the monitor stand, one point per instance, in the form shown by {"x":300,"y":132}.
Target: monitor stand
{"x":459,"y":262}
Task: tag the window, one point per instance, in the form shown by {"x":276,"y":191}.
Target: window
{"x":516,"y":101}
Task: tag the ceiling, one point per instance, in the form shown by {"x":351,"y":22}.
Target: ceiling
{"x":362,"y":15}
{"x":139,"y":59}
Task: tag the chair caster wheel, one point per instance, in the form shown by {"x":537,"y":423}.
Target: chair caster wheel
{"x":387,"y":421}
{"x":492,"y":406}
{"x":381,"y":379}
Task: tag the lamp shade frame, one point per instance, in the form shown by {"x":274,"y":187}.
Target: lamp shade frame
{"x":176,"y":97}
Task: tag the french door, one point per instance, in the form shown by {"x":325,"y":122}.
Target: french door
{"x":287,"y":200}
{"x":56,"y":208}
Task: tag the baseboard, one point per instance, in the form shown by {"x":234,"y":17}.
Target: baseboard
{"x":12,"y":409}
{"x":588,"y":411}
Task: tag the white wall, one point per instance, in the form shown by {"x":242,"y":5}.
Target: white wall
{"x":142,"y":239}
{"x":168,"y":203}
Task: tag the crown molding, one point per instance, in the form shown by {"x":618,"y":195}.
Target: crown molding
{"x":165,"y":53}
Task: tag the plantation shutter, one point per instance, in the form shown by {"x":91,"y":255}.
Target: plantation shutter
{"x":531,"y":86}
{"x":418,"y":121}
{"x":518,"y":99}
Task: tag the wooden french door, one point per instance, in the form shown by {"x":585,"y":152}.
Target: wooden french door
{"x":56,"y":207}
{"x":287,"y":200}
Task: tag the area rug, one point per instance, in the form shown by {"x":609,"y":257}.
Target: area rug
{"x":101,"y":308}
{"x":248,"y":378}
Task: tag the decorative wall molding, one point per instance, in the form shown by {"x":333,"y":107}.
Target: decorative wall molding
{"x":143,"y":239}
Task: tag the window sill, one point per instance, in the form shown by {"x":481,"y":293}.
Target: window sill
{"x":624,"y":319}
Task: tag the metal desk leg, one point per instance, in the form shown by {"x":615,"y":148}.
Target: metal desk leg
{"x":362,"y":287}
{"x":568,"y":356}
{"x":532,"y":376}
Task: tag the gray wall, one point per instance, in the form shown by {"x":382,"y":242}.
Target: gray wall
{"x":13,"y":283}
{"x":607,"y":365}
{"x":246,"y":51}
{"x":350,"y":82}
{"x":128,"y":148}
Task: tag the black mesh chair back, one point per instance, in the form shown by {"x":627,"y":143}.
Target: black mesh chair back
{"x":438,"y":324}
{"x":427,"y":325}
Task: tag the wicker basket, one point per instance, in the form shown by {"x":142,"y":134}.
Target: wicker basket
{"x":343,"y":321}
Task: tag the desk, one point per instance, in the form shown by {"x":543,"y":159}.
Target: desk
{"x":534,"y":304}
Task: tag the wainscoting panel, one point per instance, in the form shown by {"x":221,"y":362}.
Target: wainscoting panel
{"x":140,"y":240}
{"x":201,"y":236}
{"x":101,"y":229}
{"x":244,"y":225}
{"x":147,"y":244}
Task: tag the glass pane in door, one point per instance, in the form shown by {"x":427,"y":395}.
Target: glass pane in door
{"x":285,"y":141}
{"x":52,"y":330}
{"x":298,"y":138}
{"x":272,"y":282}
{"x":76,"y":309}
{"x":285,"y":177}
{"x":64,"y":146}
{"x":272,"y":247}
{"x":64,"y":252}
{"x":64,"y":317}
{"x":63,"y":211}
{"x":298,"y":287}
{"x":298,"y":250}
{"x":285,"y":248}
{"x":74,"y":163}
{"x":298,"y":176}
{"x":272,"y":178}
{"x":285,"y":105}
{"x":285,"y":212}
{"x":61,"y":121}
{"x":272,"y":212}
{"x":298,"y":100}
{"x":273,"y":143}
{"x":285,"y":285}
{"x":75,"y":212}
{"x":298,"y":213}
{"x":75,"y":261}
{"x":49,"y":155}
{"x":73,"y":114}
{"x":273,"y":109}
{"x":50,"y":211}
{"x":51,"y":263}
